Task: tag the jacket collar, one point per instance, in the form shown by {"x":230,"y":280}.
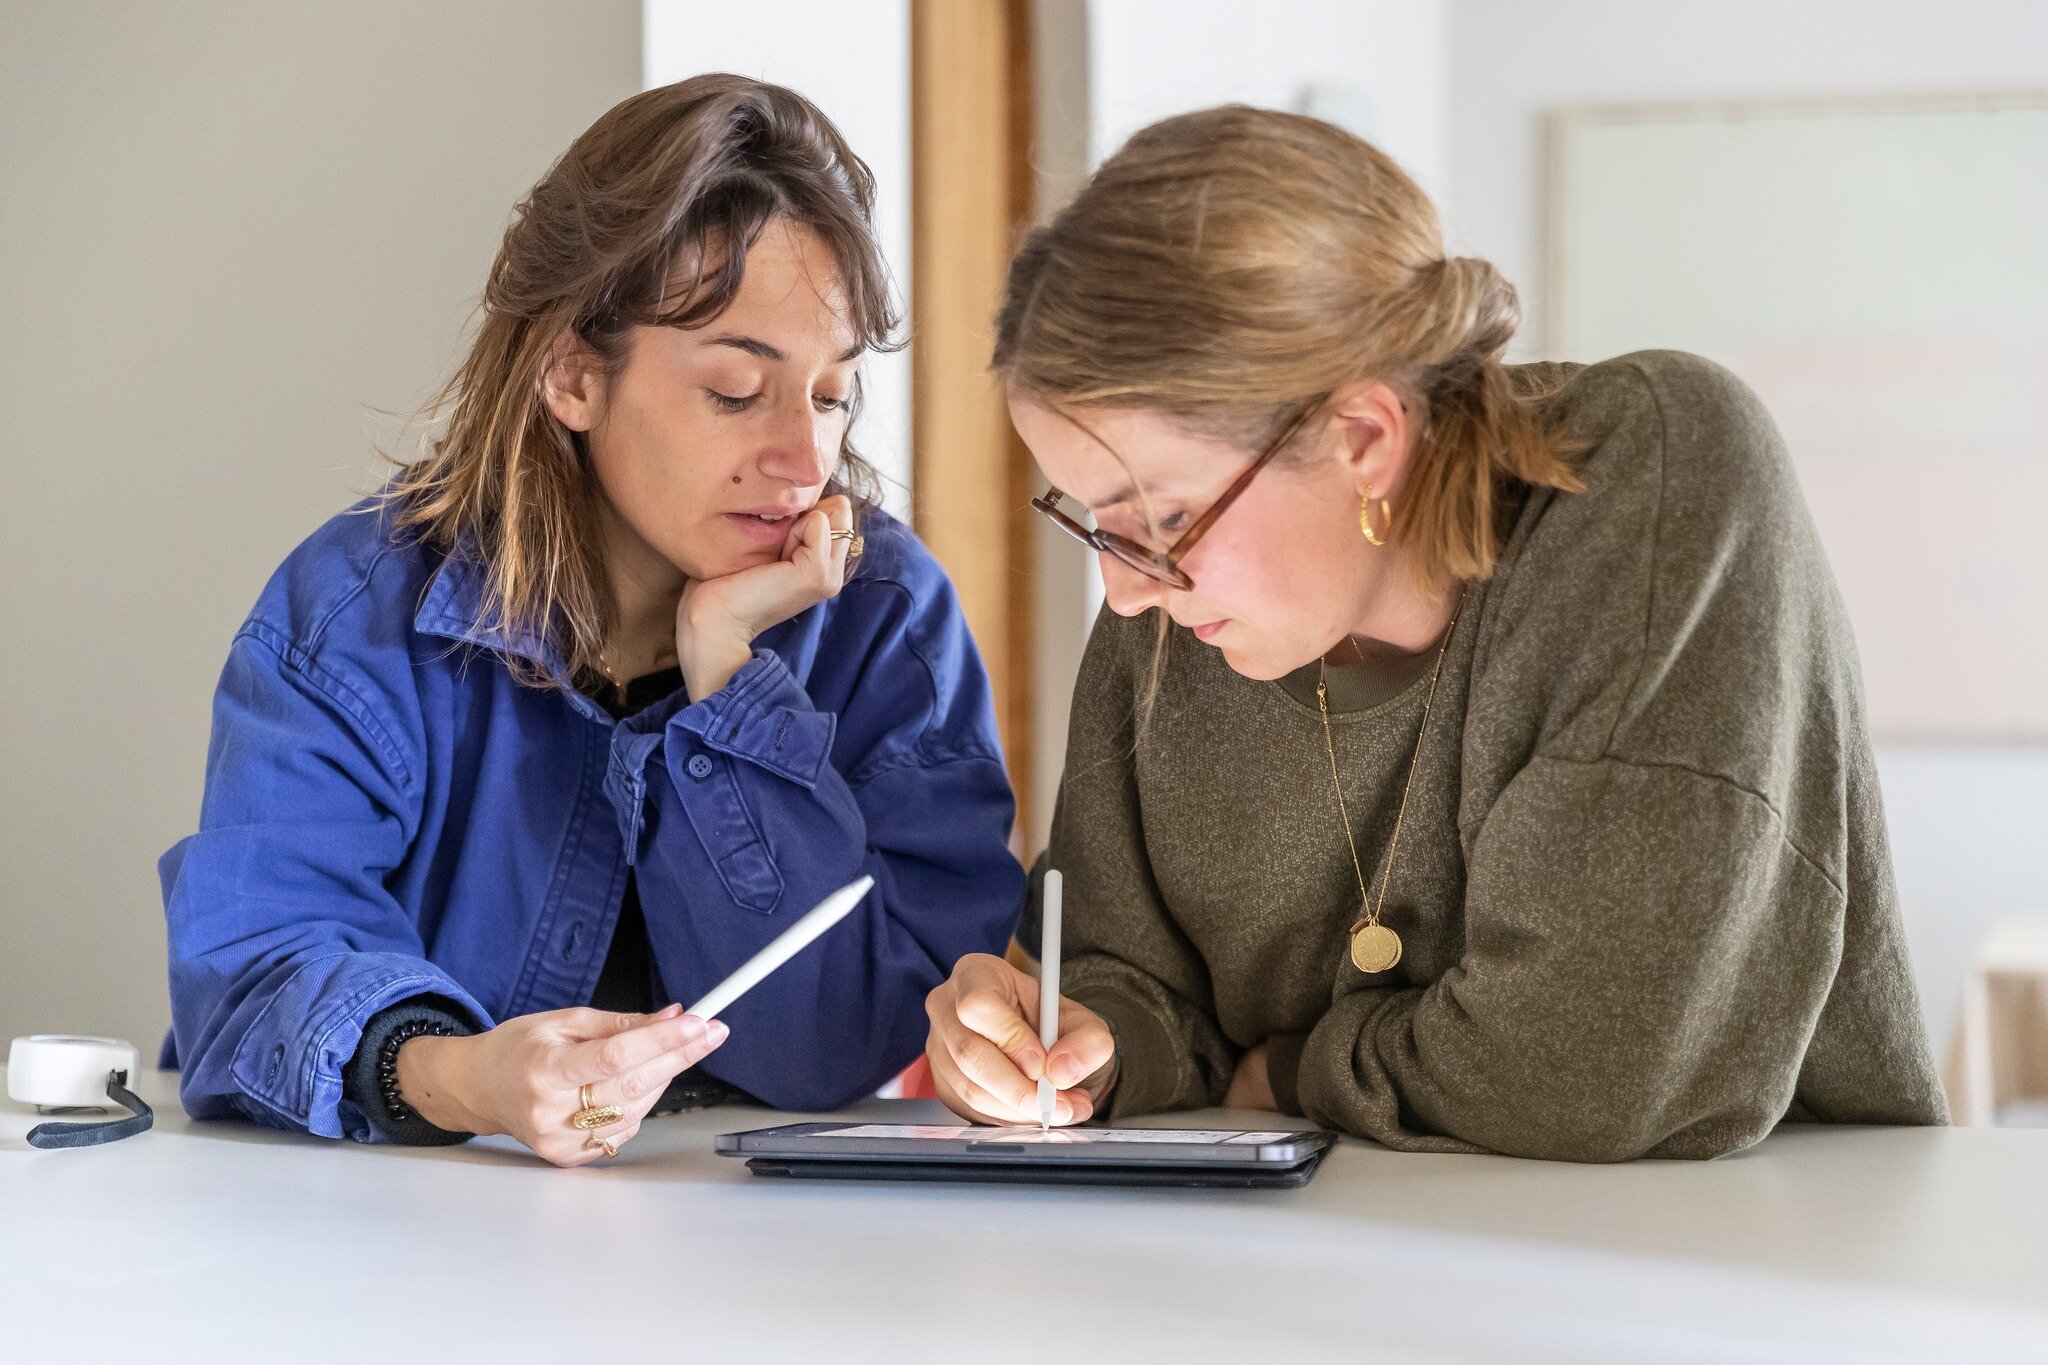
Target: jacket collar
{"x":452,"y":607}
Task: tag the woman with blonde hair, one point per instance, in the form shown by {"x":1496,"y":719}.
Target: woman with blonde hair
{"x":602,"y":693}
{"x":1494,"y":774}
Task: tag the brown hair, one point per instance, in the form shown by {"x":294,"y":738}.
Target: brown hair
{"x":1232,"y":266}
{"x":646,"y":220}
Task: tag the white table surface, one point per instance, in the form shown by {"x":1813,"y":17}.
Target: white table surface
{"x":224,"y":1242}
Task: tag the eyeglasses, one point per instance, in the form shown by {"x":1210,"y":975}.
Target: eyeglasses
{"x":1163,"y":566}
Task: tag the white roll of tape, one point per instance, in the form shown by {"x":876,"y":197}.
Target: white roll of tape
{"x":56,"y":1071}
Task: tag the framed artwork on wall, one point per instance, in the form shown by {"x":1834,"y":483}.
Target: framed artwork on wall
{"x":1878,"y":271}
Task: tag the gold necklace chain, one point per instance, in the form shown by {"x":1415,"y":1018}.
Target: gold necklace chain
{"x":620,"y":685}
{"x":1370,"y":941}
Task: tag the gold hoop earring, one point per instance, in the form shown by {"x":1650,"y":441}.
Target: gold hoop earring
{"x":1365,"y":516}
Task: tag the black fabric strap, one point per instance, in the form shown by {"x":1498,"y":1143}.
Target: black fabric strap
{"x":140,"y":1119}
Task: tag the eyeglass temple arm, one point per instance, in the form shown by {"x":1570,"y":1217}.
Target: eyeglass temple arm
{"x":1230,"y":494}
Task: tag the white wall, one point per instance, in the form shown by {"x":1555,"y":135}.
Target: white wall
{"x":1966,"y":824}
{"x":225,"y":229}
{"x":1374,"y":66}
{"x":1510,"y":61}
{"x":853,"y":61}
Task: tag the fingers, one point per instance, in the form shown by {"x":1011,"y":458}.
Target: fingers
{"x":985,"y":1053}
{"x":1085,"y":1046}
{"x":577,"y":1148}
{"x":643,"y":1084}
{"x":581,"y":1022}
{"x":986,"y":1057}
{"x":985,"y":1067}
{"x":994,"y":999}
{"x":813,"y":530}
{"x":813,"y":545}
{"x":633,"y":1090}
{"x":608,"y":1058}
{"x":968,"y":1099}
{"x":618,"y":1138}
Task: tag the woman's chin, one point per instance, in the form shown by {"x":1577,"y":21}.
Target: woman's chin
{"x":1256,"y":664}
{"x":727,"y":560}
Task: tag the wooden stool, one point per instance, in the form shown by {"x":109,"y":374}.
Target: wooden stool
{"x":1999,"y":1056}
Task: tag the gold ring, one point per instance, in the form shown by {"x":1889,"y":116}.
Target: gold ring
{"x":844,"y":535}
{"x":594,"y":1115}
{"x":609,"y":1150}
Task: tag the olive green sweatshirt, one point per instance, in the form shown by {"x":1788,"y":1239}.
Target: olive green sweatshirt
{"x":1643,"y":886}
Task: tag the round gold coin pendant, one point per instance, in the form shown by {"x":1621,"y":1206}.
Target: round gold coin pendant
{"x":1375,"y":948}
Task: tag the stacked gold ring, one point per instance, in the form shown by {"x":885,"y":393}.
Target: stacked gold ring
{"x":594,"y":1115}
{"x":857,"y":543}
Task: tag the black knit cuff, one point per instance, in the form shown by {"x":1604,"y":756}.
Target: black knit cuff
{"x":362,"y":1080}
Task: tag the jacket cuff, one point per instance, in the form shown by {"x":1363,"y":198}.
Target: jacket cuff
{"x":362,"y":1087}
{"x":288,"y":1065}
{"x":1146,"y":1058}
{"x":765,"y":717}
{"x":762,"y":718}
{"x":1283,"y":1070}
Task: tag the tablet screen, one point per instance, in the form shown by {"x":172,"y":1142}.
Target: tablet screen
{"x":1033,"y":1133}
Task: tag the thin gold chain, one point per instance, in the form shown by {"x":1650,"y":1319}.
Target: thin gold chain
{"x":1323,"y":706}
{"x":1370,"y":907}
{"x":619,"y":684}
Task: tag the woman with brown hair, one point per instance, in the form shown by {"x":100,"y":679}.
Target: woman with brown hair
{"x":598,"y":695}
{"x":1495,"y":774}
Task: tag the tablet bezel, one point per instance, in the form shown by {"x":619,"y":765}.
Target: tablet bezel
{"x":813,"y":1141}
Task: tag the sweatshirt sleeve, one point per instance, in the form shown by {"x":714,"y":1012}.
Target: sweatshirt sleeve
{"x":1647,"y":956}
{"x":1669,"y":905}
{"x":1171,"y":1054}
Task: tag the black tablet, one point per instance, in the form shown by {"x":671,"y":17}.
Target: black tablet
{"x":1248,"y":1158}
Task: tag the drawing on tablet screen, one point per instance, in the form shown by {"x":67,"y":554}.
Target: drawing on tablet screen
{"x":1033,"y":1133}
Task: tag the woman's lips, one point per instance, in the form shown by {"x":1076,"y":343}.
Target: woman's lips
{"x":1207,"y":633}
{"x":759,"y":530}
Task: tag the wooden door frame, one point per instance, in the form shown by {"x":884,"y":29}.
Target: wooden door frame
{"x":971,"y":193}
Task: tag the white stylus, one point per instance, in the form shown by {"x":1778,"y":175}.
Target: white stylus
{"x":1048,"y":988}
{"x":787,"y":945}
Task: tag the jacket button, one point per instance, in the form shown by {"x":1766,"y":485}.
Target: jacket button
{"x":276,"y":1063}
{"x":699,"y":766}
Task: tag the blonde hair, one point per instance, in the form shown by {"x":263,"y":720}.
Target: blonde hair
{"x":1232,"y":266}
{"x":645,"y":221}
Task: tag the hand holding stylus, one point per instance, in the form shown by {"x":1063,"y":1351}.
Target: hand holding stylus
{"x":988,"y":1051}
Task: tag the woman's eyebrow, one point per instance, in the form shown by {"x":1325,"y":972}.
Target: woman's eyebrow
{"x":756,"y":347}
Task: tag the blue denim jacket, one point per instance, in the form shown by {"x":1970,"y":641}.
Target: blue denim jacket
{"x":388,"y":813}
